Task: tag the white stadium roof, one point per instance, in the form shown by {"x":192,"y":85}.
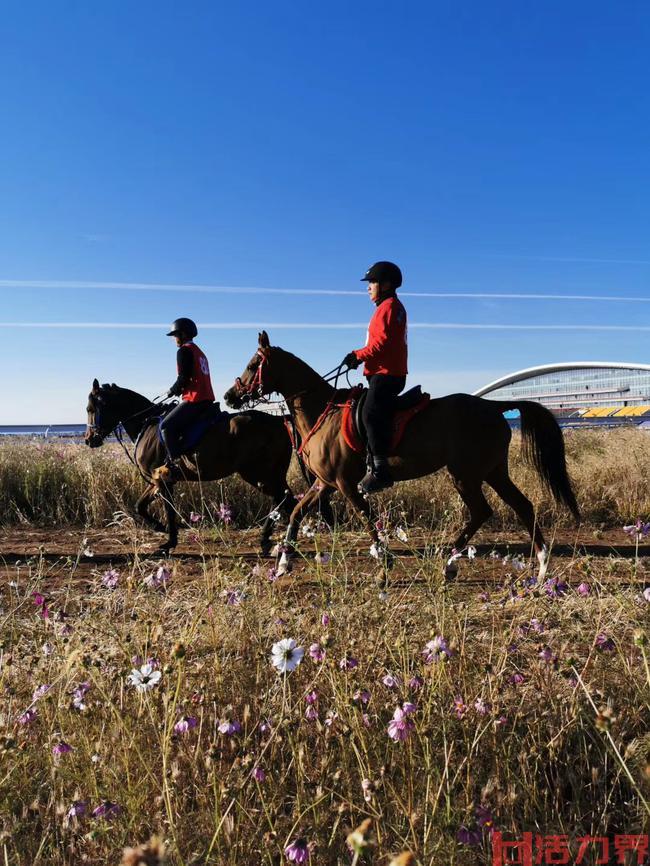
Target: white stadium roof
{"x":530,"y":372}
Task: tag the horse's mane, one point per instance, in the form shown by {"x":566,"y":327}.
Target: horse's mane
{"x":124,"y":392}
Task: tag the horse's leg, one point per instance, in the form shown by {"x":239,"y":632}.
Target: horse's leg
{"x":479,"y":509}
{"x":313,"y":495}
{"x":167,"y":494}
{"x":325,"y":507}
{"x":502,"y":484}
{"x":361,"y":505}
{"x":142,"y":507}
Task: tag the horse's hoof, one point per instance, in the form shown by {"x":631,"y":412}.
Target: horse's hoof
{"x":275,"y":550}
{"x":164,"y":549}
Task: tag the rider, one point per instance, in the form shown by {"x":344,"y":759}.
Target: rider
{"x":385,"y":357}
{"x":192,"y":385}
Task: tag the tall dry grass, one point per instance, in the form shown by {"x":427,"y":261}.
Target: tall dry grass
{"x":54,"y":483}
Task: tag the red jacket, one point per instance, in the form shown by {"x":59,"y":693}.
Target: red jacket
{"x":385,"y":350}
{"x":199,"y":386}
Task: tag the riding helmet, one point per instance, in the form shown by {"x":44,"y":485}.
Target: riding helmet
{"x":383,"y":272}
{"x":184,"y":326}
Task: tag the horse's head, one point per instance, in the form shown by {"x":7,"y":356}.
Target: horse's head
{"x":257,"y":379}
{"x":103,"y":414}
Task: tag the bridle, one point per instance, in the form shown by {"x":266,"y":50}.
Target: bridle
{"x":255,"y":387}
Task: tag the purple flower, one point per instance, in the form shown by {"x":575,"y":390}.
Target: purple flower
{"x":272,"y":574}
{"x":436,"y":650}
{"x":233,"y":597}
{"x":229,"y":727}
{"x":61,"y":748}
{"x":637,"y":530}
{"x":27,"y":717}
{"x":325,"y":620}
{"x":390,"y":681}
{"x":106,"y":809}
{"x":77,"y":809}
{"x":546,"y":654}
{"x":469,"y":837}
{"x":258,"y":774}
{"x":584,"y":589}
{"x":195,"y":518}
{"x":110,"y":578}
{"x":311,"y":713}
{"x":40,"y":602}
{"x":483,"y":816}
{"x":416,"y":683}
{"x":361,"y":696}
{"x":459,"y":707}
{"x":401,"y":725}
{"x":348,"y":663}
{"x":40,"y":691}
{"x":317,"y":652}
{"x":605,"y":644}
{"x":482,"y":707}
{"x":78,"y":696}
{"x":158,"y":578}
{"x":517,"y":679}
{"x":185,"y":724}
{"x":297,"y":851}
{"x":311,"y":697}
{"x":555,"y":587}
{"x":225,"y":513}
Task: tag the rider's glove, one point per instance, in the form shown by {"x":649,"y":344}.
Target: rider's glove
{"x":351,"y":361}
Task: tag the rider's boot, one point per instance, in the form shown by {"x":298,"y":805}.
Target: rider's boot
{"x":377,"y":477}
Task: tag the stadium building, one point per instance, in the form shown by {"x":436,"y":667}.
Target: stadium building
{"x":581,"y":393}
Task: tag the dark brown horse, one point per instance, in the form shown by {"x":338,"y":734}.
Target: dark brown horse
{"x":467,"y":434}
{"x":254,"y":444}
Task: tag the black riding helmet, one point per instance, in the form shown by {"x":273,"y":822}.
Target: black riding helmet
{"x":383,"y":272}
{"x":183,"y":326}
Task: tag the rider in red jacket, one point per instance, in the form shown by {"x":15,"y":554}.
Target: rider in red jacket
{"x":193,"y":385}
{"x":385,"y":366}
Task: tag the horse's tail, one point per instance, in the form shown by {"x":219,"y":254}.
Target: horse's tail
{"x":543,"y":446}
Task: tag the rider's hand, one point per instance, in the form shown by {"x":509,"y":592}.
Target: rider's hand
{"x":351,"y":361}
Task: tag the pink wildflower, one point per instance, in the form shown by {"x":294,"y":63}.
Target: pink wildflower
{"x":106,"y":809}
{"x":195,"y":518}
{"x":584,"y":589}
{"x":361,"y":696}
{"x":605,"y":643}
{"x":185,"y":724}
{"x":459,"y":707}
{"x":297,"y":851}
{"x":225,"y":513}
{"x":390,"y":681}
{"x":110,"y":578}
{"x":228,"y":728}
{"x":317,"y":652}
{"x":61,"y":748}
{"x":348,"y":663}
{"x":258,"y":774}
{"x":27,"y":717}
{"x":401,"y":725}
{"x":416,"y":683}
{"x":436,"y":650}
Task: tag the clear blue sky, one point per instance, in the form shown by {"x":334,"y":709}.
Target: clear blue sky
{"x":486,"y":147}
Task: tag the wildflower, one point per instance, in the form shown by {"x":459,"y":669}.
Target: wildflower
{"x":27,"y":717}
{"x":195,"y":518}
{"x":605,"y":644}
{"x":272,"y":574}
{"x":311,"y":697}
{"x":331,"y":718}
{"x":325,"y":620}
{"x":459,"y":707}
{"x":317,"y":652}
{"x":157,"y":578}
{"x":144,"y":678}
{"x":436,"y":650}
{"x":401,"y":725}
{"x":78,"y":696}
{"x":365,"y":719}
{"x":229,"y":727}
{"x":416,"y":683}
{"x":47,"y":648}
{"x":546,"y":654}
{"x":77,"y":809}
{"x":390,"y":681}
{"x":646,"y":594}
{"x":225,"y":513}
{"x":348,"y":663}
{"x":286,"y":655}
{"x":368,"y":789}
{"x":61,"y":748}
{"x":40,"y":602}
{"x":584,"y":589}
{"x":311,"y":713}
{"x":471,"y":552}
{"x":555,"y":587}
{"x":297,"y":851}
{"x":233,"y":597}
{"x":322,"y":558}
{"x":185,"y":724}
{"x":307,"y":529}
{"x":258,"y":774}
{"x":106,"y":809}
{"x":517,"y":679}
{"x":482,"y":707}
{"x":637,"y":530}
{"x":469,"y":837}
{"x":400,"y":533}
{"x":40,"y":691}
{"x":377,"y":550}
{"x":361,"y":696}
{"x":483,"y":816}
{"x":111,"y":578}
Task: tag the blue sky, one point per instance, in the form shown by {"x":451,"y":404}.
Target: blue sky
{"x":487,"y":148}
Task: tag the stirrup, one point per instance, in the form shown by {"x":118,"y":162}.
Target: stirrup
{"x":372,"y":483}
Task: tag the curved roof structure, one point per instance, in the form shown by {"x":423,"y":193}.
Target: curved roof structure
{"x":530,"y":372}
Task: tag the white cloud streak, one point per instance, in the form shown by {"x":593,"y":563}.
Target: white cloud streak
{"x":260,"y":290}
{"x":324,"y":326}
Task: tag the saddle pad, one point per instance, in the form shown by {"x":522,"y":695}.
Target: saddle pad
{"x":192,"y":435}
{"x":398,"y":425}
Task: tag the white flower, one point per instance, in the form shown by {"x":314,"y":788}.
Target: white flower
{"x":274,"y":515}
{"x":286,"y":655}
{"x":144,"y":678}
{"x":646,"y":593}
{"x":400,"y":532}
{"x":377,"y":550}
{"x":471,"y":552}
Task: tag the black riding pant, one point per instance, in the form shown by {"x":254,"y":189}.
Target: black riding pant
{"x":178,"y":420}
{"x":378,"y":411}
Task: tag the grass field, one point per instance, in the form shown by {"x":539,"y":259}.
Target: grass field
{"x":140,"y":697}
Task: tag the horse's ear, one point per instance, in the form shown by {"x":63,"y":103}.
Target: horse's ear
{"x":95,"y":386}
{"x":263,"y":340}
{"x":113,"y":386}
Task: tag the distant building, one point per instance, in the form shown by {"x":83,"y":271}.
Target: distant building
{"x":601,"y":392}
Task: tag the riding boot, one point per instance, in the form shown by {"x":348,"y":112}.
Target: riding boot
{"x":377,"y":477}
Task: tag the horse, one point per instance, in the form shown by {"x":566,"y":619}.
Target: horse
{"x":468,"y":435}
{"x":254,"y":444}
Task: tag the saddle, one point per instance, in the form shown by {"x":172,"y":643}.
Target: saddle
{"x":407,"y":405}
{"x":192,"y":435}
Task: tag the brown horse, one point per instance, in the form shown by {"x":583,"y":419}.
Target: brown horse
{"x":254,"y":444}
{"x":467,"y":434}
